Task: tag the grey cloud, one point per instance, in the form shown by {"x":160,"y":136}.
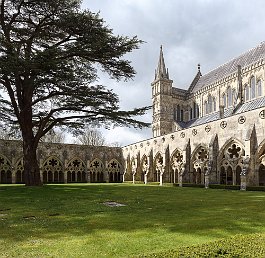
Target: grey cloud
{"x":191,"y":31}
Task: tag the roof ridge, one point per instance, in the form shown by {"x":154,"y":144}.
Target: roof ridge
{"x":237,"y":57}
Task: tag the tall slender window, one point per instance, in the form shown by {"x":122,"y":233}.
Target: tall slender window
{"x":229,"y":96}
{"x":224,"y":100}
{"x":178,"y":113}
{"x":233,"y":96}
{"x":210,"y":104}
{"x":253,"y":87}
{"x":259,"y":88}
{"x":191,"y":113}
{"x":205,"y":107}
{"x":194,"y":110}
{"x":214,"y":104}
{"x":181,"y":115}
{"x":247,"y":93}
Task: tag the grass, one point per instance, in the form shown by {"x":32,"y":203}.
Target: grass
{"x":72,"y":221}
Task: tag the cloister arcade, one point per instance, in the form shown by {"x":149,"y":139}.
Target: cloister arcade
{"x":231,"y":164}
{"x":54,"y":171}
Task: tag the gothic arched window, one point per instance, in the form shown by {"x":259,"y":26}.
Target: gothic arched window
{"x":206,"y":107}
{"x":253,"y":87}
{"x":234,"y":96}
{"x":181,"y":115}
{"x":214,"y":104}
{"x":224,"y":100}
{"x":259,"y":88}
{"x":246,"y":93}
{"x":210,"y":104}
{"x":229,"y":96}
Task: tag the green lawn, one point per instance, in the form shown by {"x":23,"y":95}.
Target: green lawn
{"x":72,"y":221}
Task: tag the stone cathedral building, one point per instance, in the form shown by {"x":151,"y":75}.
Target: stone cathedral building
{"x":213,"y":132}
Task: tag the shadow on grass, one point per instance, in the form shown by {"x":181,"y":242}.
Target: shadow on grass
{"x":56,"y":211}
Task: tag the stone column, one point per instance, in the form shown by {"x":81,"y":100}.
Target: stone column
{"x":88,"y":180}
{"x":206,"y":180}
{"x":41,"y":170}
{"x":145,"y":177}
{"x":13,"y":172}
{"x":64,"y":172}
{"x":161,"y":170}
{"x":243,"y":175}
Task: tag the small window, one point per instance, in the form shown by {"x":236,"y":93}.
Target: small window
{"x":181,"y":115}
{"x":247,"y":93}
{"x":206,"y":107}
{"x":253,"y":87}
{"x":224,"y":100}
{"x":229,"y":96}
{"x":210,"y":104}
{"x":214,"y":104}
{"x":259,"y":88}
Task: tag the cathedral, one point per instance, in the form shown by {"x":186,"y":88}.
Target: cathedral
{"x":211,"y":133}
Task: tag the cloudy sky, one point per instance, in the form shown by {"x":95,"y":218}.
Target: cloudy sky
{"x":209,"y":32}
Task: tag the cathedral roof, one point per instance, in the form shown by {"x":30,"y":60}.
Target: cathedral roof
{"x":230,"y":67}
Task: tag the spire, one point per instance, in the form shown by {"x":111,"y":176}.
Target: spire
{"x":161,"y":72}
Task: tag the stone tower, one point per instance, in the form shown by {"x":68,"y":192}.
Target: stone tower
{"x":162,"y":99}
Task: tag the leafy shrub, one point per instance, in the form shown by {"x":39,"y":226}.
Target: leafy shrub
{"x":256,"y":188}
{"x":193,"y":185}
{"x":238,"y":246}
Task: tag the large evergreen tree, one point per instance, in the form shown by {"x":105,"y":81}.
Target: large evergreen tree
{"x":50,"y":51}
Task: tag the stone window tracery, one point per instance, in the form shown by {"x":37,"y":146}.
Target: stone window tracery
{"x":96,"y":169}
{"x":52,"y":170}
{"x":19,"y":171}
{"x":5,"y":170}
{"x":76,"y":171}
{"x":114,"y":168}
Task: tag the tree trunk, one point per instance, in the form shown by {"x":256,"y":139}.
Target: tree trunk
{"x":31,"y":166}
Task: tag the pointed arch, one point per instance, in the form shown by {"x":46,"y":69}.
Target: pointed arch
{"x":76,"y":170}
{"x":52,"y":170}
{"x":96,"y":170}
{"x":114,"y":170}
{"x":5,"y":170}
{"x":253,"y":86}
{"x":19,"y":171}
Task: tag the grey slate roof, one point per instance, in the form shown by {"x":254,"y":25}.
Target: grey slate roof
{"x":250,"y":105}
{"x":230,"y":67}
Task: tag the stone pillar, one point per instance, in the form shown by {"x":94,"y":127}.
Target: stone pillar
{"x":206,"y":179}
{"x":13,"y":171}
{"x":161,"y":170}
{"x":243,"y":182}
{"x":41,"y":170}
{"x":64,"y":172}
{"x":133,"y":175}
{"x":88,"y":179}
{"x":145,"y":177}
{"x":243,"y":175}
{"x":180,"y":179}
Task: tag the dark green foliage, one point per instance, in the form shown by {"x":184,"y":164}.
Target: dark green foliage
{"x":256,"y":188}
{"x":227,"y":187}
{"x":192,"y":185}
{"x":50,"y":53}
{"x":239,"y":246}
